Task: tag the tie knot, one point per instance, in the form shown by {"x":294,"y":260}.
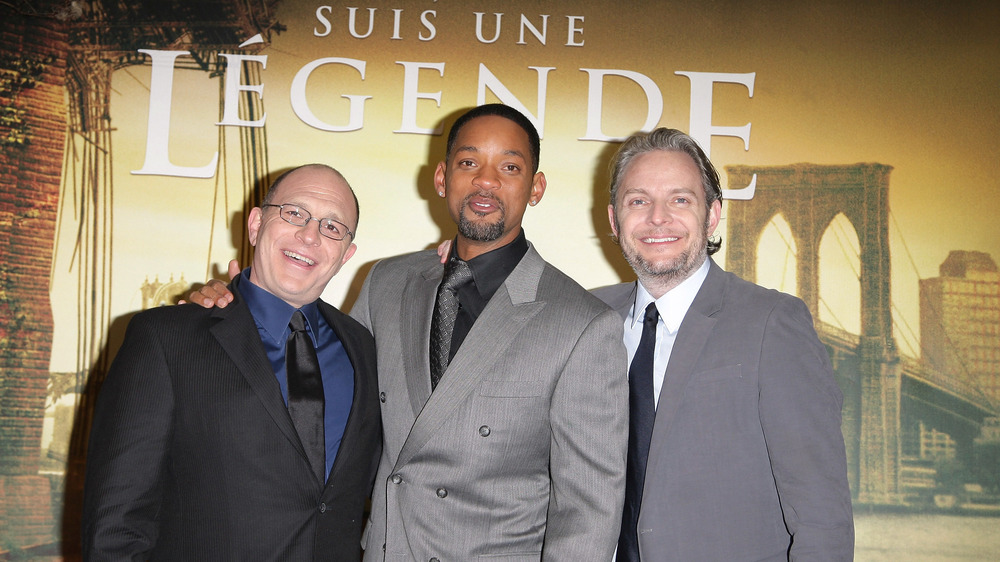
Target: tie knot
{"x":652,"y":315}
{"x":298,"y":321}
{"x":456,"y":273}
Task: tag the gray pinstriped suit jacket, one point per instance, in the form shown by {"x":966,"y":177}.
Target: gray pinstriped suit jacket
{"x":520,"y":451}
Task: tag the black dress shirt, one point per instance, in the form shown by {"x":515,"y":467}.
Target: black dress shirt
{"x":489,"y":271}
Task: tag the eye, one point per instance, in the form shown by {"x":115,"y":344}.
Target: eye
{"x":636,"y":201}
{"x":293,"y":212}
{"x":511,"y":168}
{"x":331,"y":227}
{"x":466,"y":163}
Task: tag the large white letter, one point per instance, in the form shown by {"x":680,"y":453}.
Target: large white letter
{"x":572,"y":31}
{"x":411,"y":79}
{"x":301,"y":107}
{"x":479,"y":27}
{"x":701,"y":128}
{"x":425,"y":18}
{"x":595,"y":99}
{"x":395,"y":23}
{"x":526,"y":23}
{"x":161,"y":83}
{"x":322,"y":19}
{"x":488,"y":80}
{"x":353,"y":19}
{"x":234,"y":85}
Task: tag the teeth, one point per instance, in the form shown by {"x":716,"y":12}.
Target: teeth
{"x":304,"y":259}
{"x":656,"y":240}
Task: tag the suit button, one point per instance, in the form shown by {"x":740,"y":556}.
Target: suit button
{"x":322,"y":507}
{"x":381,"y":397}
{"x":396,"y":479}
{"x":442,"y":493}
{"x":484,"y":431}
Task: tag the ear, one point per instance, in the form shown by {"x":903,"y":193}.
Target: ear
{"x":253,"y":224}
{"x":439,"y":183}
{"x":612,"y":221}
{"x":350,"y":252}
{"x":537,"y":187}
{"x":714,"y":215}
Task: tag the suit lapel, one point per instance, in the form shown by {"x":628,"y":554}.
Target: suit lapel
{"x":694,"y":332}
{"x":510,"y":309}
{"x":362,"y":363}
{"x":237,"y":334}
{"x":416,"y":309}
{"x":623,"y":301}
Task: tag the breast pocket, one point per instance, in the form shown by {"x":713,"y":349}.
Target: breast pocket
{"x":727,"y":373}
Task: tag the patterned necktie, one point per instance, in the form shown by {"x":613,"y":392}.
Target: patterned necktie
{"x":456,"y":273}
{"x":305,"y":393}
{"x":642,"y":411}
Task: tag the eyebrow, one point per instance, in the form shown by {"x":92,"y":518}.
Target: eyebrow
{"x":508,"y":152}
{"x":335,"y":216}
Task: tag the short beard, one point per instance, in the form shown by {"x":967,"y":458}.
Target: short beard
{"x":480,"y":231}
{"x":672,"y":272}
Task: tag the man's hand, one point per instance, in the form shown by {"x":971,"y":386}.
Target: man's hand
{"x":443,"y":249}
{"x":215,"y":292}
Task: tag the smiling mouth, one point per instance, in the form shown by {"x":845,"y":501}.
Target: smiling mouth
{"x":652,"y":240}
{"x":299,"y":258}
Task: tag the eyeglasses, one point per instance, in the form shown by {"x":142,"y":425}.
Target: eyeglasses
{"x":293,"y":214}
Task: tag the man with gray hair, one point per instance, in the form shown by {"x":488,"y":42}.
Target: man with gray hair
{"x":735,"y":447}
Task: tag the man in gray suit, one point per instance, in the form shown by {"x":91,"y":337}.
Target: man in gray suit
{"x":506,"y":439}
{"x":518,"y":451}
{"x":735,"y":413}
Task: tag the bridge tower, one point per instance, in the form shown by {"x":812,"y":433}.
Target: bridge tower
{"x":810,"y":196}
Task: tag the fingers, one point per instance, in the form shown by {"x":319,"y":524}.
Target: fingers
{"x":234,"y":269}
{"x":443,"y":249}
{"x":214,"y":293}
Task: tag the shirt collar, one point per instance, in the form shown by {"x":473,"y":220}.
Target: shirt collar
{"x":673,"y":305}
{"x":273,"y":314}
{"x":491,"y":269}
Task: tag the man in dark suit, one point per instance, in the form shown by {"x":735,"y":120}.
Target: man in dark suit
{"x":735,"y":447}
{"x":249,"y":432}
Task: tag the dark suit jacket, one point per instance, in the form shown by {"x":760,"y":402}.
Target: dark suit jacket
{"x":747,"y":457}
{"x":193,"y":455}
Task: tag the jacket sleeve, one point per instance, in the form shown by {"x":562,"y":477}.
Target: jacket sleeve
{"x":589,"y":424}
{"x":800,"y":407}
{"x":128,"y":449}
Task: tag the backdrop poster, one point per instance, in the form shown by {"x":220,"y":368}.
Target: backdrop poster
{"x":858,"y":141}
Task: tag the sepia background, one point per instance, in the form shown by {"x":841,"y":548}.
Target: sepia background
{"x":871,"y":129}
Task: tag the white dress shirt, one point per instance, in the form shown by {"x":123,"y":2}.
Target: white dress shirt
{"x":672,"y":307}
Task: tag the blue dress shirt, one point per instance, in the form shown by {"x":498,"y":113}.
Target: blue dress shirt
{"x":271,"y":314}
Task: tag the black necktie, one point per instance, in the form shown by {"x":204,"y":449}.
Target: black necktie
{"x":456,"y":273}
{"x":305,"y":393}
{"x":642,"y":411}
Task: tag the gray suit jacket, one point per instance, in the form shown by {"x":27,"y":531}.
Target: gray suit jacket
{"x":520,"y":451}
{"x":747,"y":457}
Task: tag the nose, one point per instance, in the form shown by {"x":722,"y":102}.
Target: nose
{"x":660,"y":213}
{"x":487,"y":178}
{"x":308,"y":234}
